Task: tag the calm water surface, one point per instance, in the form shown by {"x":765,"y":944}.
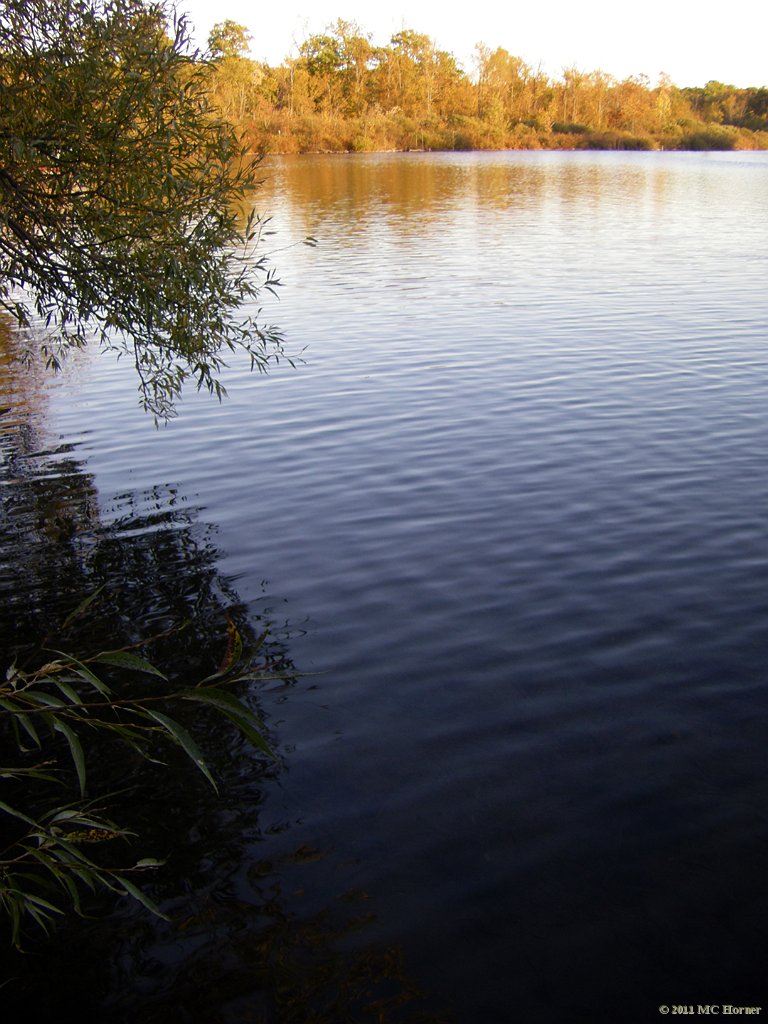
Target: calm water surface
{"x":514,"y":511}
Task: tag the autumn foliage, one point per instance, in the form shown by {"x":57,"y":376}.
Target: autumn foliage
{"x":342,"y":92}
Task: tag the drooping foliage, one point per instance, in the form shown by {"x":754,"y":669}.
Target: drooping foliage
{"x":121,"y":192}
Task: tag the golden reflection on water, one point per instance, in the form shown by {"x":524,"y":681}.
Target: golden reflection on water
{"x":21,"y":380}
{"x":416,"y":190}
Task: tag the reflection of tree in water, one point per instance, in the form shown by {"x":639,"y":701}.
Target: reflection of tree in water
{"x":253,"y":954}
{"x":240,"y":944}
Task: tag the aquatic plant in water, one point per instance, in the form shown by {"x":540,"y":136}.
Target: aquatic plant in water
{"x":57,"y":711}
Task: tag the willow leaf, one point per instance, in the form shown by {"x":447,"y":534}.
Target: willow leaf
{"x":185,"y":741}
{"x":71,"y":888}
{"x":126,"y":660}
{"x":17,"y":814}
{"x":233,"y":709}
{"x":251,"y":734}
{"x":40,"y":902}
{"x":26,"y":724}
{"x":76,"y":749}
{"x":84,"y":672}
{"x":83,"y":606}
{"x":68,"y":691}
{"x":42,"y":917}
{"x":220,"y":699}
{"x":142,"y":897}
{"x":67,"y":814}
{"x":12,"y":906}
{"x":41,"y":697}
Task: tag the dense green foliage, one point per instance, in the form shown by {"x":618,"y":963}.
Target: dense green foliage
{"x":344,"y":92}
{"x":119,"y":195}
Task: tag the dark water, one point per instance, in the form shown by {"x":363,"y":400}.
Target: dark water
{"x":511,"y":519}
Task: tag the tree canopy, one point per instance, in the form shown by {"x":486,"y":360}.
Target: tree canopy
{"x":121,"y":196}
{"x":228,"y":39}
{"x":341,"y":91}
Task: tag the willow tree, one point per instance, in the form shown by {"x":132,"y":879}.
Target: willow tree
{"x":121,"y":196}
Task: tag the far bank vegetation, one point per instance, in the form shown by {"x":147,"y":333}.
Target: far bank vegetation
{"x":343,"y":93}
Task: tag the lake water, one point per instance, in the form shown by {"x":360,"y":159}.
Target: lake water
{"x":511,"y":516}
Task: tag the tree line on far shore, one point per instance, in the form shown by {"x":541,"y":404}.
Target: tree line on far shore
{"x":342,"y":92}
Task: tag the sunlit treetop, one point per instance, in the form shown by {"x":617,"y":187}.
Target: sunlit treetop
{"x":228,"y":39}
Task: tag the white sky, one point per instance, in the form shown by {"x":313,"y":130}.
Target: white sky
{"x":691,"y":40}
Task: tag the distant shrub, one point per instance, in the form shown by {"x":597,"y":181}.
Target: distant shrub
{"x":754,"y":123}
{"x":569,"y":128}
{"x":462,"y":141}
{"x":711,"y":138}
{"x":363,"y":143}
{"x":619,"y":140}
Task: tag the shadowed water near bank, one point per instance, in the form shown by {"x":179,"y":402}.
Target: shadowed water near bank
{"x":249,"y":936}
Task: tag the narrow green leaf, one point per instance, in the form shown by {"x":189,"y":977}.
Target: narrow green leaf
{"x":251,"y":734}
{"x":17,"y":814}
{"x":142,"y":897}
{"x":65,"y":815}
{"x":219,"y":699}
{"x":69,"y":855}
{"x":13,"y":908}
{"x":23,"y":720}
{"x":129,"y":734}
{"x":26,"y":724}
{"x":40,"y":902}
{"x":185,"y":741}
{"x":84,"y":672}
{"x":33,"y":879}
{"x":124,"y":659}
{"x":76,"y":750}
{"x":71,"y":888}
{"x":82,"y":607}
{"x":40,"y":917}
{"x":233,"y":709}
{"x":31,"y":773}
{"x":47,"y":699}
{"x":47,"y":861}
{"x":68,"y":691}
{"x":86,"y":877}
